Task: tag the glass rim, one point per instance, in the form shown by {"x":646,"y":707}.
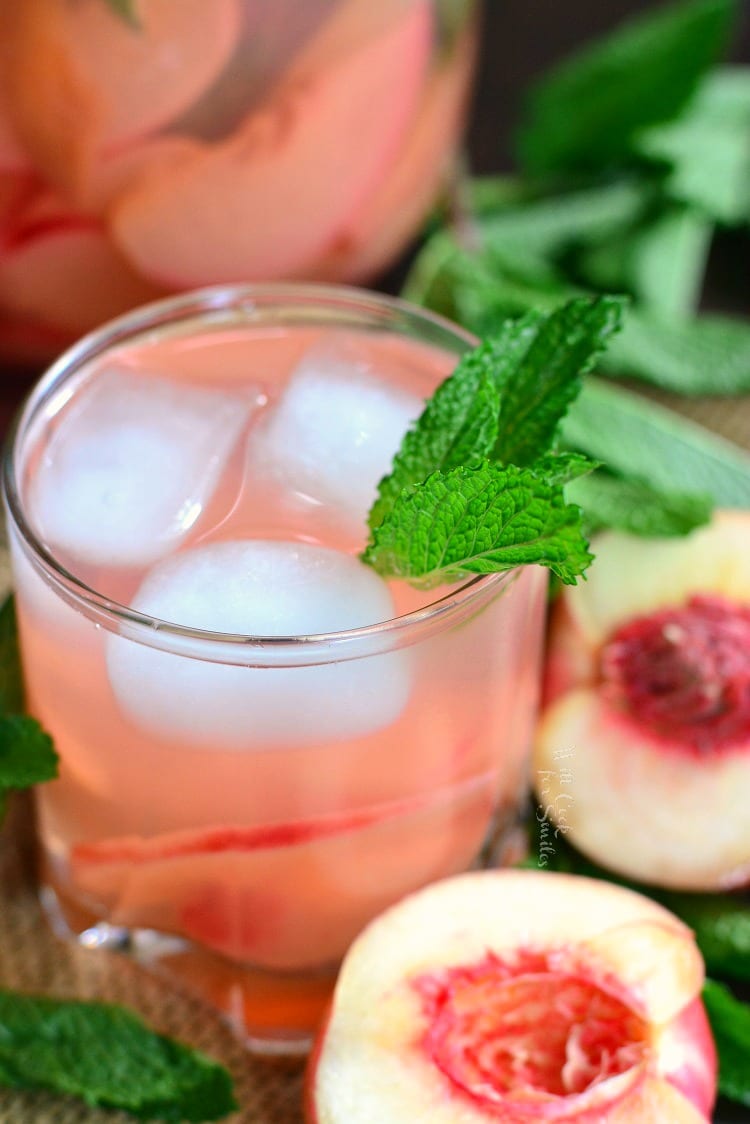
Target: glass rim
{"x":214,"y":304}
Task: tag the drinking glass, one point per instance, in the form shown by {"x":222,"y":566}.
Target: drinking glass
{"x":263,"y":743}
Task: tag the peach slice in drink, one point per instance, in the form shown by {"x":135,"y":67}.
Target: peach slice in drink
{"x":517,"y":996}
{"x":286,"y":895}
{"x":270,"y":199}
{"x":81,"y":80}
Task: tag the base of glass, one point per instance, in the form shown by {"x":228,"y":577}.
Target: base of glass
{"x":273,"y":1013}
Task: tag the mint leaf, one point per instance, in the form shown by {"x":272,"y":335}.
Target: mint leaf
{"x":668,"y":261}
{"x":707,"y":355}
{"x":513,"y":271}
{"x":635,"y":505}
{"x":633,"y":436}
{"x":479,"y":520}
{"x":458,"y":425}
{"x":730,"y":1025}
{"x":481,"y":290}
{"x":584,"y":115}
{"x":542,"y":375}
{"x":126,"y":10}
{"x":11,"y":682}
{"x":107,"y":1056}
{"x":662,"y":263}
{"x":562,"y":468}
{"x":27,"y":756}
{"x":505,"y":399}
{"x":707,"y":149}
{"x":721,"y":923}
{"x":26,"y":753}
{"x":546,"y":227}
{"x":490,"y":193}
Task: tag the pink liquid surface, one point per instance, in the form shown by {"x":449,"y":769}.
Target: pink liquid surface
{"x":235,"y":140}
{"x":274,"y":856}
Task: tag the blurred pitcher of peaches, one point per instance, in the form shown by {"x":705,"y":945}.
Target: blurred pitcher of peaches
{"x":149,"y":146}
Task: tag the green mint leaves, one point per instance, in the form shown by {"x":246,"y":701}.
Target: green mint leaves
{"x":476,"y":486}
{"x":633,"y":436}
{"x":587,"y":112}
{"x":27,"y":756}
{"x":730,"y":1025}
{"x":107,"y":1056}
{"x":631,"y":154}
{"x":479,"y":520}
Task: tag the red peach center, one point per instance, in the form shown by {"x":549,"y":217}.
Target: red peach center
{"x":684,"y":673}
{"x":507,"y":1033}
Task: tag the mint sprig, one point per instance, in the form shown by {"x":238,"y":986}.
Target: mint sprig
{"x":585,"y":114}
{"x":476,"y":486}
{"x":107,"y":1056}
{"x":505,"y":399}
{"x":730,"y":1026}
{"x":479,"y":520}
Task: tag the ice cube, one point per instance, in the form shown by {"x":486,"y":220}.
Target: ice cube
{"x":259,"y":588}
{"x":131,"y":465}
{"x":334,"y":431}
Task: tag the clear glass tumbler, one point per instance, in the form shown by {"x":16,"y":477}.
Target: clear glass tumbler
{"x":151,"y":146}
{"x":263,"y":743}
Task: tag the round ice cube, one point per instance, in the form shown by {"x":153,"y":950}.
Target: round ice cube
{"x":259,"y":588}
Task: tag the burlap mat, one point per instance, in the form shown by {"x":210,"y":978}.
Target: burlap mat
{"x":34,"y":959}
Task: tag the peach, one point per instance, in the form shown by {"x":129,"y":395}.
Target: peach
{"x":517,"y":996}
{"x":80,"y":81}
{"x":392,"y":213}
{"x":643,"y":749}
{"x":12,"y":156}
{"x":270,"y":199}
{"x":58,"y":269}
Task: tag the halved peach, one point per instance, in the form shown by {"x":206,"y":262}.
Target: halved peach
{"x":81,"y":81}
{"x":643,"y":750}
{"x":517,"y":996}
{"x":267,"y":201}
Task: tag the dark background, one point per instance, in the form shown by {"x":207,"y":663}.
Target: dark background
{"x":520,"y":40}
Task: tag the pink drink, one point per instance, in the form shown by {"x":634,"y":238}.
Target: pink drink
{"x":264,"y":812}
{"x":215,"y":142}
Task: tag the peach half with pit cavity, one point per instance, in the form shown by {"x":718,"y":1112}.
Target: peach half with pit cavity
{"x":517,"y":996}
{"x":643,"y":750}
